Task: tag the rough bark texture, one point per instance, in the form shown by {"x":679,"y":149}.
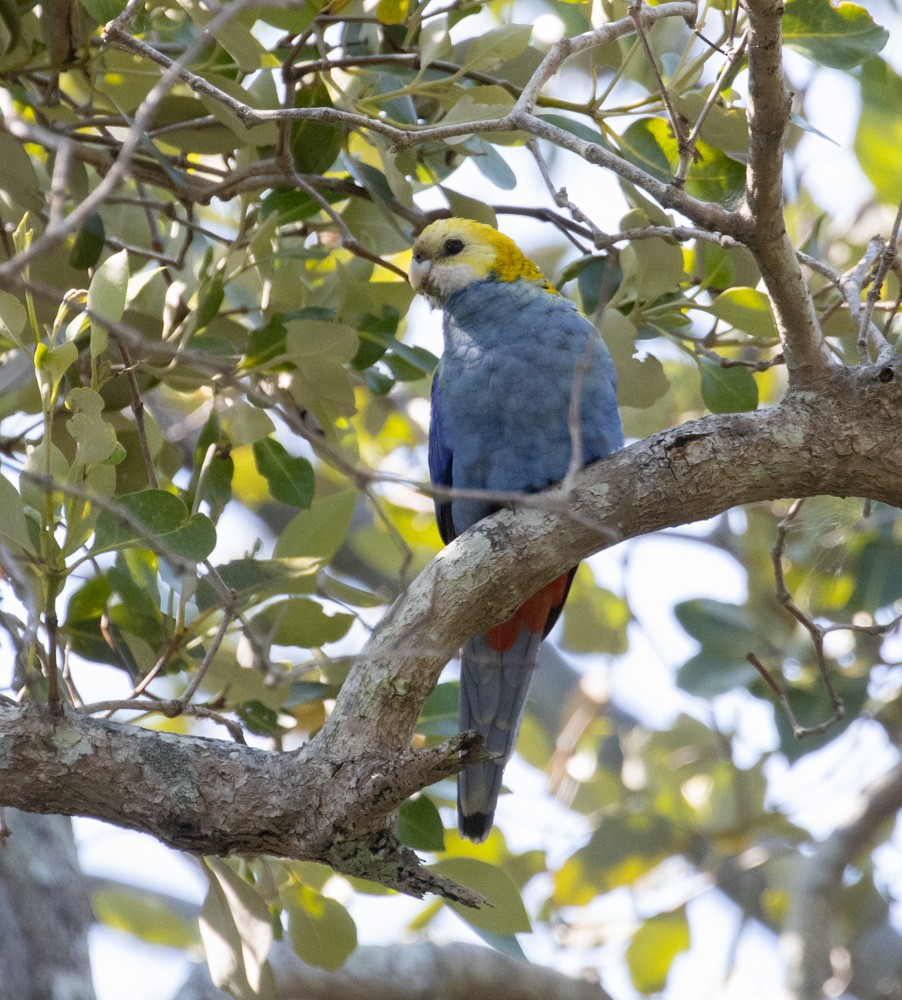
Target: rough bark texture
{"x":763,"y":227}
{"x":333,"y":799}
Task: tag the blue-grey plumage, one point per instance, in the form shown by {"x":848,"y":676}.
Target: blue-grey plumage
{"x":505,"y":381}
{"x":493,"y":689}
{"x":515,"y":353}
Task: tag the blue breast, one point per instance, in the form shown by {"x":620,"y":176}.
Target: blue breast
{"x":510,"y":366}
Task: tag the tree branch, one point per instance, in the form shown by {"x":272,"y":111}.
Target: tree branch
{"x":333,"y":799}
{"x":410,"y":972}
{"x":807,"y":445}
{"x":816,"y":897}
{"x":764,"y":225}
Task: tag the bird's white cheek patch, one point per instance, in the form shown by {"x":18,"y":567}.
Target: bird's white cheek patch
{"x":448,"y":278}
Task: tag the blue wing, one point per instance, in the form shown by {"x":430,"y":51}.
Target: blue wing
{"x":440,"y":465}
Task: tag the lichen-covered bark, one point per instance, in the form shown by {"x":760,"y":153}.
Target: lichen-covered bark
{"x":333,"y":799}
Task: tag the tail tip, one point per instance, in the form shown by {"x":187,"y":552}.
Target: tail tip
{"x":475,"y":826}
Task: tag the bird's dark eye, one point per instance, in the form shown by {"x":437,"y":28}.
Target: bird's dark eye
{"x":453,"y":247}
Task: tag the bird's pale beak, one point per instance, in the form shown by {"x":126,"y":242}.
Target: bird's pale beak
{"x":418,"y":273}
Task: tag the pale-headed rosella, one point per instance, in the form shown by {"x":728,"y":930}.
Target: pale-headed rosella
{"x":515,"y":352}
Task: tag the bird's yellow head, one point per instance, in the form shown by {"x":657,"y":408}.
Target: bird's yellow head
{"x":453,"y":253}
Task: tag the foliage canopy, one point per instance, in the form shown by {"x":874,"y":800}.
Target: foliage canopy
{"x":213,"y":426}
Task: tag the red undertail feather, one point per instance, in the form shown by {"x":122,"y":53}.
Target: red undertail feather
{"x":532,"y":615}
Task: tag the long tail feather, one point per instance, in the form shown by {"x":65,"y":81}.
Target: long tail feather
{"x":495,"y":671}
{"x":493,"y":690}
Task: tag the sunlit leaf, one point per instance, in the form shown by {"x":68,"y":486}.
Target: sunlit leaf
{"x":653,"y":949}
{"x":747,"y":309}
{"x":879,"y":135}
{"x":711,"y":176}
{"x":236,"y":931}
{"x":144,"y":915}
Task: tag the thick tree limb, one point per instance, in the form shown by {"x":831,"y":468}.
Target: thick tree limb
{"x":764,"y":224}
{"x":816,"y":896}
{"x":410,"y":972}
{"x":333,"y":800}
{"x":841,"y":440}
{"x":45,"y":912}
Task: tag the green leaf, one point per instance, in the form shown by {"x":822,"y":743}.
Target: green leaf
{"x":314,"y":146}
{"x":486,"y":51}
{"x":651,"y":268}
{"x":625,"y":847}
{"x":841,"y":37}
{"x":55,"y":362}
{"x":439,"y":715}
{"x":88,"y":245}
{"x":13,"y":528}
{"x":96,"y":439}
{"x":210,"y":296}
{"x":727,"y":390}
{"x":320,"y":530}
{"x":878,"y":575}
{"x":104,"y":10}
{"x":491,"y":164}
{"x":746,"y":309}
{"x":260,"y":719}
{"x":162,"y":516}
{"x":290,"y":478}
{"x":106,"y":297}
{"x":595,"y":619}
{"x":244,"y":423}
{"x":639,"y":383}
{"x":653,"y":949}
{"x":727,"y":633}
{"x":301,"y":622}
{"x":236,"y":931}
{"x":465,"y":207}
{"x":879,"y":136}
{"x":392,"y":11}
{"x":12,"y":318}
{"x":11,"y":20}
{"x":505,"y":913}
{"x":144,"y":915}
{"x":420,"y":826}
{"x":18,"y":178}
{"x":712,"y":176}
{"x":322,"y":931}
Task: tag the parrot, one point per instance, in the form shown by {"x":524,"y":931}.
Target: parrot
{"x":515,"y":351}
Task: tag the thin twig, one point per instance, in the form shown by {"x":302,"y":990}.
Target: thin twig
{"x":815,"y":630}
{"x":868,"y":331}
{"x":137,"y":412}
{"x":685,"y":148}
{"x":733,"y":58}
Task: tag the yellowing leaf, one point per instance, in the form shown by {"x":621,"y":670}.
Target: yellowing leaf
{"x":653,"y":949}
{"x":392,"y":11}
